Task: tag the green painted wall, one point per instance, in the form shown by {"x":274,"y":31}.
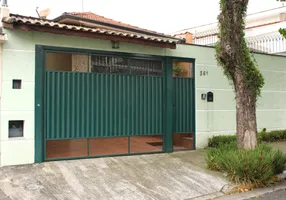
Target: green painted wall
{"x":212,"y":118}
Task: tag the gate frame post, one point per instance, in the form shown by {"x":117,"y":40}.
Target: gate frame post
{"x":39,"y":103}
{"x":168,"y":110}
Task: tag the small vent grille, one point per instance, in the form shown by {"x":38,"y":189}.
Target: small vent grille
{"x":17,"y":84}
{"x":119,"y":65}
{"x":16,"y":128}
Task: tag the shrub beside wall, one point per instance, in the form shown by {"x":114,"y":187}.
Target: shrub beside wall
{"x":215,"y":141}
{"x":254,"y":168}
{"x":263,"y":136}
{"x":273,"y":136}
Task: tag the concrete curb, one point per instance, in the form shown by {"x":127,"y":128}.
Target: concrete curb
{"x":223,"y":193}
{"x":208,"y":196}
{"x":254,"y":193}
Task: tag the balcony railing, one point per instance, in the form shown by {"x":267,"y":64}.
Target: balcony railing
{"x":271,"y":43}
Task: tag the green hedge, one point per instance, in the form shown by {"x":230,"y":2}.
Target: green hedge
{"x":215,"y":141}
{"x":263,"y":136}
{"x":273,"y":136}
{"x":252,"y":167}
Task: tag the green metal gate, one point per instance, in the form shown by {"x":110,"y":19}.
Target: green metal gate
{"x":183,"y":101}
{"x":111,"y":102}
{"x":88,"y":105}
{"x":118,"y":98}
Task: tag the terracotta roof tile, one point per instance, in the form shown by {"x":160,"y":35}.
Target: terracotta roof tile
{"x":90,"y":15}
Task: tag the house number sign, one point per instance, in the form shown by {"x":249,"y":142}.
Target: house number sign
{"x":204,"y":73}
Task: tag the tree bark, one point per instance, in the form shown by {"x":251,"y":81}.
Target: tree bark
{"x":246,"y":125}
{"x":234,"y":57}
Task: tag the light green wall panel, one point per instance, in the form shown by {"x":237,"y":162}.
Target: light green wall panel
{"x":271,"y":119}
{"x":17,"y":99}
{"x":19,"y":40}
{"x":270,"y":62}
{"x":18,"y":64}
{"x":272,"y":100}
{"x":203,"y":55}
{"x":274,"y":80}
{"x":216,"y":121}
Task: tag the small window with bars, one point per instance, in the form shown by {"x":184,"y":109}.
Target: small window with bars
{"x":128,"y":66}
{"x":146,"y":67}
{"x":109,"y":65}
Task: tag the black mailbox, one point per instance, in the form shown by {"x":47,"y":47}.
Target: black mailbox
{"x":210,"y":97}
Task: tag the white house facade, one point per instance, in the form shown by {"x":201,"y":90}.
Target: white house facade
{"x":261,"y":32}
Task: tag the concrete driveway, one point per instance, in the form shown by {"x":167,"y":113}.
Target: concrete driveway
{"x":162,"y":176}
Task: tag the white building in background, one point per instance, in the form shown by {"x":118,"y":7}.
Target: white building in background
{"x":261,"y":32}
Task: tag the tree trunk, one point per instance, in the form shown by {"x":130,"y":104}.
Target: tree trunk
{"x":240,"y":68}
{"x":246,"y":126}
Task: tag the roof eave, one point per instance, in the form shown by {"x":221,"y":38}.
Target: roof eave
{"x":55,"y":30}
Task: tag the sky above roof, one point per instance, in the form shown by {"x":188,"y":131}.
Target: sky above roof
{"x":164,"y":16}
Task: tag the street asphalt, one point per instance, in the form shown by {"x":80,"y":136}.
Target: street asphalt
{"x":276,"y":195}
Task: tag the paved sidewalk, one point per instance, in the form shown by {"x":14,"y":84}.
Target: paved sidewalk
{"x":279,"y":145}
{"x":176,"y":176}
